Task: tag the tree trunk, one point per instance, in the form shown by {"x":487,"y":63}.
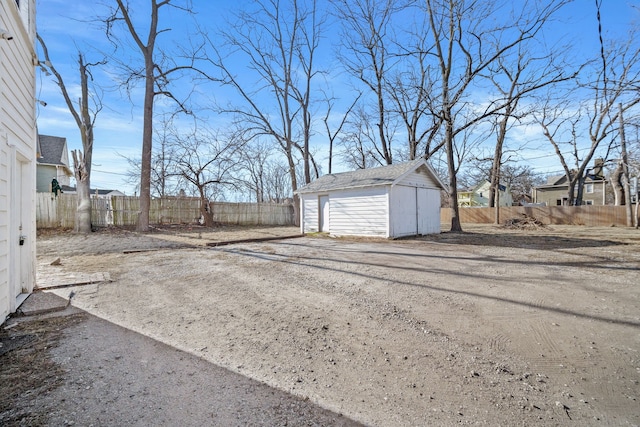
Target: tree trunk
{"x":618,"y":192}
{"x":580,"y":190}
{"x":83,"y":209}
{"x":296,"y":210}
{"x":497,"y":163}
{"x":147,"y":135}
{"x":625,"y":172}
{"x":205,"y":211}
{"x":497,"y":207}
{"x":453,"y":182}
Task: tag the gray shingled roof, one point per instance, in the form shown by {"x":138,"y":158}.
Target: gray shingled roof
{"x":51,"y":149}
{"x":385,"y":175}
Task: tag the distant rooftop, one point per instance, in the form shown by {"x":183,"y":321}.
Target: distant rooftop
{"x":52,"y":149}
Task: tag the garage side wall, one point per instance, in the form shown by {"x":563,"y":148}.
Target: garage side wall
{"x":309,"y":213}
{"x":359,"y":212}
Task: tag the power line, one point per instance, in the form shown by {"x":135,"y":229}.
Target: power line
{"x":110,"y":173}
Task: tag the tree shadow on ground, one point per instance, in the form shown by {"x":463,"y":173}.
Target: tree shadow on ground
{"x":521,"y":241}
{"x":337,"y":265}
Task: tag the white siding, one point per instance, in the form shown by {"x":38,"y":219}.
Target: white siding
{"x":309,"y":208}
{"x":359,"y":212}
{"x":428,"y":205}
{"x":17,"y":153}
{"x":323,"y":214}
{"x":403,"y":211}
{"x":414,"y":211}
{"x":4,"y":229}
{"x":419,"y":178}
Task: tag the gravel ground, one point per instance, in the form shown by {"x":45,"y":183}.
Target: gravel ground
{"x":489,"y":327}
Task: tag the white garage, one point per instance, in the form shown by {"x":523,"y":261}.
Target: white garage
{"x":391,"y":201}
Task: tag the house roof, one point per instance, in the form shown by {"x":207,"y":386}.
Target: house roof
{"x":371,"y":177}
{"x":561,"y":180}
{"x":52,"y":150}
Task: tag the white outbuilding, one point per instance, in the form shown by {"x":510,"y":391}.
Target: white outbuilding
{"x":392,"y":201}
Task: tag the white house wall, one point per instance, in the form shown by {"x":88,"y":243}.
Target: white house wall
{"x":44,"y":175}
{"x":359,"y":212}
{"x":5,"y":304}
{"x":17,"y":153}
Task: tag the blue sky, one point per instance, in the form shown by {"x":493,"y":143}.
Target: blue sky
{"x":65,"y":27}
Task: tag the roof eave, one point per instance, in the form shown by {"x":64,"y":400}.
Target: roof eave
{"x":350,"y":187}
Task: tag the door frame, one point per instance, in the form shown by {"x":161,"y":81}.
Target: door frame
{"x":323,"y":213}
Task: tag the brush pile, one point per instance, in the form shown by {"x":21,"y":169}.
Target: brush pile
{"x":524,"y":222}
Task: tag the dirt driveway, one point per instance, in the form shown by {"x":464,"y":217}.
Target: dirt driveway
{"x":491,"y":327}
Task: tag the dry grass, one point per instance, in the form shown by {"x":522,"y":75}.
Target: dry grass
{"x":27,"y":371}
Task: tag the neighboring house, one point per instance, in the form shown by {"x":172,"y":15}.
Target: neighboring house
{"x":391,"y":201}
{"x":17,"y":154}
{"x":478,"y":196}
{"x":554,"y":192}
{"x":53,"y":162}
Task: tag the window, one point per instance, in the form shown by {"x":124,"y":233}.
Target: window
{"x":588,"y":188}
{"x":588,"y":202}
{"x":559,"y":202}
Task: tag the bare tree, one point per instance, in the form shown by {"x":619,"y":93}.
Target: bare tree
{"x":411,"y":87}
{"x":84,"y":113}
{"x":160,"y":69}
{"x":278,"y":40}
{"x":205,"y":160}
{"x":610,"y":89}
{"x":253,"y":168}
{"x":467,"y":41}
{"x":263,"y":173}
{"x":332,"y":135}
{"x":517,"y":76}
{"x":358,"y":147}
{"x":163,"y":182}
{"x":365,"y":39}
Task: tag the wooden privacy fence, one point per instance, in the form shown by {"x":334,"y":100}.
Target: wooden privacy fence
{"x":252,"y":213}
{"x":558,"y":215}
{"x":54,"y":212}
